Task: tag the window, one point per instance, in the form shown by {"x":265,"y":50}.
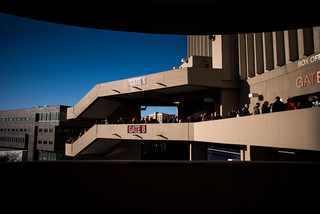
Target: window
{"x":27,"y":118}
{"x":45,"y":142}
{"x":21,"y":130}
{"x":22,"y":118}
{"x":50,"y":142}
{"x":39,"y":141}
{"x":45,"y":130}
{"x":18,"y":118}
{"x":53,"y":116}
{"x":25,"y":130}
{"x":50,"y":130}
{"x":43,"y":117}
{"x":40,"y":130}
{"x":2,"y":119}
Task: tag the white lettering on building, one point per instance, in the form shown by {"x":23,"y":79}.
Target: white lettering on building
{"x":137,"y":81}
{"x":309,"y":60}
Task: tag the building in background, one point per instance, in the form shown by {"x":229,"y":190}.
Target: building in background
{"x":38,"y":133}
{"x":161,"y":116}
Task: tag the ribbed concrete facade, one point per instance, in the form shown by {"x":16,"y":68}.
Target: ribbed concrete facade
{"x":199,"y":45}
{"x":257,"y":53}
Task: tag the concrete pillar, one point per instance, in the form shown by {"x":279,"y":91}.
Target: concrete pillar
{"x":316,"y":39}
{"x":243,"y":56}
{"x":300,"y":43}
{"x":250,"y":55}
{"x":268,"y":47}
{"x":245,"y":153}
{"x":287,"y":47}
{"x":217,"y":52}
{"x":259,"y":64}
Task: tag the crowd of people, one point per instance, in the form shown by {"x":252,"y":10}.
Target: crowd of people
{"x":71,"y":140}
{"x":277,"y":106}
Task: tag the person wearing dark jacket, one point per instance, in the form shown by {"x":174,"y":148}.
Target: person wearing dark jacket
{"x":245,"y":111}
{"x":278,"y":105}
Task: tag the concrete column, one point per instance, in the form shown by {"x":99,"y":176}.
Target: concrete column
{"x":308,"y":41}
{"x":245,"y":153}
{"x":316,"y":39}
{"x":217,"y":52}
{"x":189,"y":45}
{"x":269,"y":56}
{"x":287,"y":47}
{"x":259,"y":65}
{"x":242,"y":56}
{"x":250,"y":55}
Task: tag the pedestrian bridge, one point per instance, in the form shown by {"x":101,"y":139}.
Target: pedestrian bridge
{"x":296,"y":129}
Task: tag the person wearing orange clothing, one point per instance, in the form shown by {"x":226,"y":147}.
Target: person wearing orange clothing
{"x":146,"y":121}
{"x":290,"y":105}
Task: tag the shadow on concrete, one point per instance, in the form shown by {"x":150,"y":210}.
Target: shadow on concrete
{"x":160,"y":186}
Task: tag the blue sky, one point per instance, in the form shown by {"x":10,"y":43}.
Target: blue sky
{"x":44,"y":63}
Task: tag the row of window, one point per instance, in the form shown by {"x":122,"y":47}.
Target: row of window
{"x":14,"y":130}
{"x":45,"y":142}
{"x":45,"y":130}
{"x":25,"y":130}
{"x":15,"y":119}
{"x":47,"y":156}
{"x":12,"y":139}
{"x":53,"y":116}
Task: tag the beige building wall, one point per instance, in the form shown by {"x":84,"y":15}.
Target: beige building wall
{"x":269,"y":63}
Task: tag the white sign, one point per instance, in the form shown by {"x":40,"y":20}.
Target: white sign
{"x":309,"y":60}
{"x":137,"y":81}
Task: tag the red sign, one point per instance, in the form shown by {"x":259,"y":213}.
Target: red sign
{"x":141,"y":129}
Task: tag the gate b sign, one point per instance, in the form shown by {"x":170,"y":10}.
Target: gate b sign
{"x":138,"y":129}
